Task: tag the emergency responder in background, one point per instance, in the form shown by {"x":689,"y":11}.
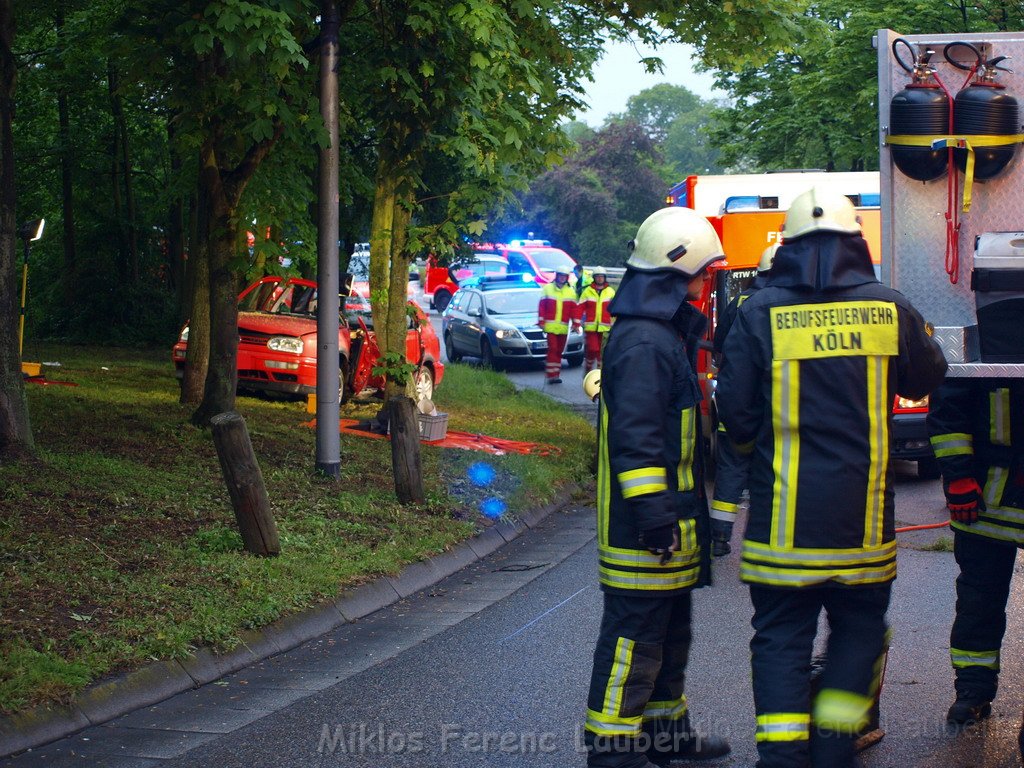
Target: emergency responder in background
{"x":977,"y":431}
{"x":556,"y":313}
{"x":581,"y":279}
{"x":732,"y":466}
{"x":652,"y":512}
{"x":811,"y":366}
{"x":595,"y":317}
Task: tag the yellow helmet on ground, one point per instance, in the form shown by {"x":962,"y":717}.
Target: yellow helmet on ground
{"x":767,"y":256}
{"x":820,"y":210}
{"x":592,"y":384}
{"x":675,"y":238}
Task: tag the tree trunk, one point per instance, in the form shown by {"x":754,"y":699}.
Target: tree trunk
{"x":176,"y":230}
{"x":245,"y":484}
{"x":15,"y":430}
{"x":122,"y":159}
{"x":398,"y":286}
{"x":222,"y":373}
{"x":221,"y":190}
{"x":70,"y":276}
{"x":405,"y":450}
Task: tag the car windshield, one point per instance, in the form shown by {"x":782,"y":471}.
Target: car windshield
{"x":294,"y":299}
{"x":479,"y":268}
{"x":550,"y":259}
{"x":517,"y":302}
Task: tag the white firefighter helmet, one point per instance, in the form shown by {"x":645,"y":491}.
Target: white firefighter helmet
{"x":592,"y":384}
{"x":767,"y":256}
{"x":675,"y":238}
{"x":820,"y":210}
{"x":599,"y":271}
{"x":561,"y":270}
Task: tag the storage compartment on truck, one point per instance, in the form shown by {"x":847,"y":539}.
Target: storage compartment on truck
{"x":998,"y":284}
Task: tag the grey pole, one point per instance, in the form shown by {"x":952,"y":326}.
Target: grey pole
{"x":328,"y":438}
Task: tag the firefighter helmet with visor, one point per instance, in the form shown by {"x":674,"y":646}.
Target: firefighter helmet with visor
{"x":675,"y":238}
{"x":820,"y":210}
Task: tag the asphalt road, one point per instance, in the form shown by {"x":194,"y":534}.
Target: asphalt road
{"x":490,"y":668}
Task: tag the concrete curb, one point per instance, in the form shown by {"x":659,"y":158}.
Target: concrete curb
{"x":126,"y":692}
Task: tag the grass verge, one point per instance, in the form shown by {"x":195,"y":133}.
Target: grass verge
{"x":118,"y":544}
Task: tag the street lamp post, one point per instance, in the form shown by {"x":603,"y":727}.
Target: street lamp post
{"x":29,"y":232}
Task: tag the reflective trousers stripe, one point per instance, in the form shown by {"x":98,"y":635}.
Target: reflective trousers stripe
{"x":665,"y":710}
{"x":841,"y":711}
{"x":961,"y":658}
{"x":783,"y":726}
{"x":608,"y":722}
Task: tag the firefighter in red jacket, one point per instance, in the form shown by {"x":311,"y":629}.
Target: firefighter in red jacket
{"x":811,"y":367}
{"x":652,"y":524}
{"x":556,"y":314}
{"x":595,"y":317}
{"x":977,"y":432}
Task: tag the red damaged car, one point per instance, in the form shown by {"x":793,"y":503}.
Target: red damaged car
{"x":277,"y":342}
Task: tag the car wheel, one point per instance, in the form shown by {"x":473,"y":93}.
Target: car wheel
{"x":441,"y":300}
{"x":423,"y":383}
{"x":344,"y":393}
{"x":449,"y":349}
{"x":928,"y":469}
{"x":575,"y":361}
{"x":487,"y":358}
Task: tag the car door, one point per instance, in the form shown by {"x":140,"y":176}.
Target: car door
{"x":472,"y":311}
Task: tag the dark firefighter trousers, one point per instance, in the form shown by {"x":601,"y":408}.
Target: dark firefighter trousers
{"x":986,"y":568}
{"x":636,"y":695}
{"x":731,"y":475}
{"x":785,"y":623}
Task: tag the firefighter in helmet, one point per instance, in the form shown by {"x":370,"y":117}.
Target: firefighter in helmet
{"x":977,"y":432}
{"x":556,"y":314}
{"x":731,"y":465}
{"x":652,"y":512}
{"x":811,"y":367}
{"x":595,"y":317}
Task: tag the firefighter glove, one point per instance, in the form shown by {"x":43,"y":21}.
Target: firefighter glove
{"x":964,"y":499}
{"x":663,"y":540}
{"x":721,"y":533}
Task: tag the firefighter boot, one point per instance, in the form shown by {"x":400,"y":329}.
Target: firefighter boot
{"x":672,"y":741}
{"x":614,"y":752}
{"x":968,"y":708}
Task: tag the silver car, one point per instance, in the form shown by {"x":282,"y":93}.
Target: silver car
{"x":495,"y":319}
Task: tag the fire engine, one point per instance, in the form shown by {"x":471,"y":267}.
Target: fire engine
{"x":952,"y":245}
{"x":747,"y":211}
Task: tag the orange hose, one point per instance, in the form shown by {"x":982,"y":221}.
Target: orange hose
{"x":921,"y":527}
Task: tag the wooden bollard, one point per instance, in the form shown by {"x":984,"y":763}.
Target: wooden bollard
{"x":245,"y":484}
{"x":405,"y":450}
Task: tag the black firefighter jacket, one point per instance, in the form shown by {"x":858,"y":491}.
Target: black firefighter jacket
{"x":810,"y":371}
{"x":649,"y":469}
{"x":977,"y":430}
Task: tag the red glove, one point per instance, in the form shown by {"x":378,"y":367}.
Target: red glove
{"x":964,"y":499}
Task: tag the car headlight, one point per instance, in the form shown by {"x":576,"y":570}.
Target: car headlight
{"x":285,"y":344}
{"x":184,"y":335}
{"x":506,"y":333}
{"x":902,"y":402}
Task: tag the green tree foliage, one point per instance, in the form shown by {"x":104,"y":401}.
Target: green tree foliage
{"x":592,"y":204}
{"x":814,"y":105}
{"x":678,"y":121}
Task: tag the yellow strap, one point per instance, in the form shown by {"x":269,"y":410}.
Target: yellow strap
{"x":968,"y":142}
